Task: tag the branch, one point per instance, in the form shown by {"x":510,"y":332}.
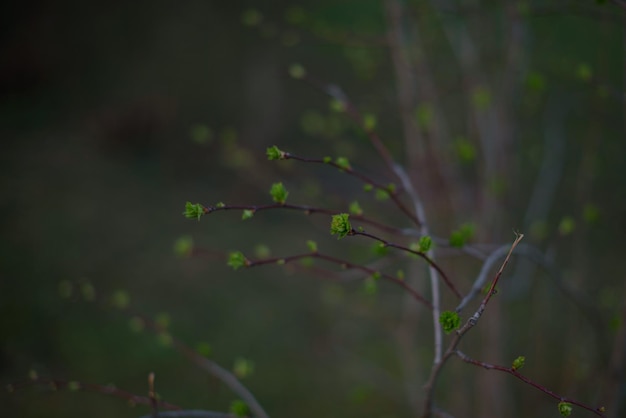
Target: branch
{"x":598,"y":411}
{"x":345,"y":264}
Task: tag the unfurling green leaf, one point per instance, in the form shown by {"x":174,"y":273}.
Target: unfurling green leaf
{"x":565,"y":409}
{"x":449,"y":320}
{"x":193,"y":211}
{"x":237,"y":259}
{"x":425,"y":243}
{"x":340,"y":225}
{"x":274,"y":153}
{"x":518,"y":363}
{"x":312,"y":246}
{"x":247,"y":214}
{"x":279,"y":193}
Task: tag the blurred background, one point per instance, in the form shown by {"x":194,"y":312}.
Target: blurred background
{"x":508,"y":116}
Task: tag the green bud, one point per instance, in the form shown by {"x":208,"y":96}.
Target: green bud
{"x":340,"y":225}
{"x":343,"y":163}
{"x":273,"y":153}
{"x":239,"y":408}
{"x":518,"y":363}
{"x":461,"y":236}
{"x":327,"y":160}
{"x":312,"y":246}
{"x":237,"y":259}
{"x":425,"y":244}
{"x":193,"y":211}
{"x":565,"y":409}
{"x":368,"y":187}
{"x":247,"y":214}
{"x":220,"y":205}
{"x":381,"y":194}
{"x":450,"y":321}
{"x":279,"y":193}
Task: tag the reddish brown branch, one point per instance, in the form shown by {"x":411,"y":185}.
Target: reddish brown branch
{"x":347,"y":265}
{"x":598,"y":411}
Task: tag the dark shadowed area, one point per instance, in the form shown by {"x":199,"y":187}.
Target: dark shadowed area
{"x":506,"y":117}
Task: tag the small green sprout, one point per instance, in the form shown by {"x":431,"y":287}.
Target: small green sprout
{"x":274,"y":153}
{"x":247,"y":214}
{"x":565,"y":409}
{"x":193,"y":211}
{"x":368,"y":187}
{"x":400,"y":274}
{"x":237,"y":260}
{"x":449,"y":320}
{"x":297,"y":71}
{"x":281,"y":261}
{"x":355,"y":208}
{"x":220,"y":205}
{"x":391,"y":188}
{"x":262,"y":251}
{"x":518,"y":363}
{"x":327,"y":160}
{"x":425,"y":244}
{"x":279,"y":193}
{"x":312,"y":246}
{"x":340,"y":225}
{"x":239,"y":408}
{"x":343,"y":163}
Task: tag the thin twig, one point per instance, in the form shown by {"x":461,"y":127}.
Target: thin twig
{"x":598,"y":411}
{"x":345,"y":264}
